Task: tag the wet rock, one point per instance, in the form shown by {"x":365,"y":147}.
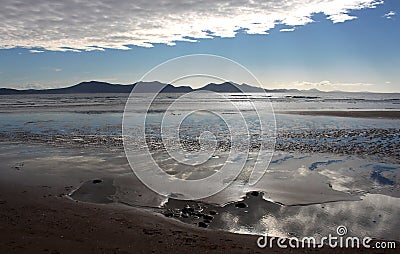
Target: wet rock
{"x":208,"y":217}
{"x":200,"y":215}
{"x":199,"y":209}
{"x":202,"y":224}
{"x":255,"y":193}
{"x":18,"y":166}
{"x":213,"y":212}
{"x":207,"y":221}
{"x":185,"y":215}
{"x":188,"y":210}
{"x":168,"y":214}
{"x":241,"y":205}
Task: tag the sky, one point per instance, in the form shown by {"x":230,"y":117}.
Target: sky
{"x":348,"y":45}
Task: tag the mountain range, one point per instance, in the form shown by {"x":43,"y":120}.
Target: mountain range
{"x":104,"y":87}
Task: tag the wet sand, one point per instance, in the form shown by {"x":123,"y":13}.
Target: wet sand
{"x":34,"y":220}
{"x":38,"y":216}
{"x":356,"y":114}
{"x":69,"y":189}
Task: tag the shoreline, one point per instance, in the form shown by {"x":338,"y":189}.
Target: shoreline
{"x":37,"y":222}
{"x":379,"y":114}
{"x":38,"y":216}
{"x":59,"y":225}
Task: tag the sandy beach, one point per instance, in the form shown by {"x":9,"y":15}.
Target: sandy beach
{"x":34,"y":219}
{"x":67,"y":187}
{"x":38,"y":216}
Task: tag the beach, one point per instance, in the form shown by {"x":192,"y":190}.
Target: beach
{"x":68,"y":186}
{"x":38,"y":218}
{"x":32,"y":223}
{"x":35,"y":220}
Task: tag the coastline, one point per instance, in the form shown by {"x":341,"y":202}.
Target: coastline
{"x":36,"y":221}
{"x":37,"y":215}
{"x":42,"y":165}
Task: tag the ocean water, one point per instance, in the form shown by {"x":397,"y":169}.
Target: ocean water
{"x":102,"y":113}
{"x":281,"y":101}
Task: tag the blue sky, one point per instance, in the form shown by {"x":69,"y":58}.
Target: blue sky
{"x":359,"y":54}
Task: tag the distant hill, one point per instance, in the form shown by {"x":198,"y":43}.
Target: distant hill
{"x":230,"y":87}
{"x":94,"y":87}
{"x":142,"y":87}
{"x":84,"y":87}
{"x":155,"y":86}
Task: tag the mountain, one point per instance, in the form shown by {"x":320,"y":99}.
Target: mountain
{"x":156,"y":86}
{"x":143,"y":87}
{"x":83,"y":87}
{"x":102,"y":87}
{"x":230,"y":87}
{"x":94,"y":87}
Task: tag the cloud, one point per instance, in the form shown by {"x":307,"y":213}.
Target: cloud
{"x":36,"y":51}
{"x":76,"y":25}
{"x":31,"y":86}
{"x":341,"y":17}
{"x":390,"y":14}
{"x":327,"y":85}
{"x":288,"y":29}
{"x":320,"y":83}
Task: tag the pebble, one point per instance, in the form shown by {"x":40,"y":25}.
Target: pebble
{"x":208,"y":217}
{"x":202,"y":224}
{"x":255,"y":193}
{"x":213,"y":212}
{"x":241,"y":205}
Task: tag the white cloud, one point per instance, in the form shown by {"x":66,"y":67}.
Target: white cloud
{"x":306,"y":83}
{"x":327,"y":85}
{"x":75,"y":25}
{"x":341,"y":17}
{"x":390,"y":14}
{"x":288,"y":29}
{"x":31,"y":86}
{"x":36,"y":51}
